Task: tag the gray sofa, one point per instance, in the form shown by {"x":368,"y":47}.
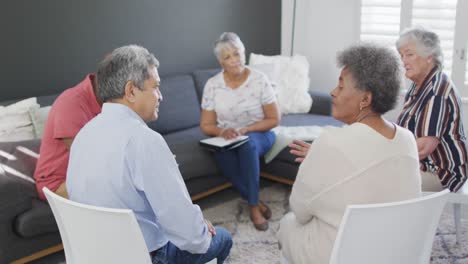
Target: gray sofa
{"x":27,"y":226}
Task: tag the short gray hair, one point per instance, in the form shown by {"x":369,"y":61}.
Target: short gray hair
{"x":228,"y":39}
{"x":427,"y":43}
{"x":375,"y":69}
{"x":127,"y":63}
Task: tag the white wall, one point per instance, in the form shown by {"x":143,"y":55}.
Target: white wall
{"x":322,"y":29}
{"x":465,"y":113}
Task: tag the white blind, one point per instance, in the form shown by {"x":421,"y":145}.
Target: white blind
{"x":439,"y":16}
{"x":466,"y":67}
{"x":380,"y":21}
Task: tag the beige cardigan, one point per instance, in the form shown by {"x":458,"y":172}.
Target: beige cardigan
{"x":349,"y":165}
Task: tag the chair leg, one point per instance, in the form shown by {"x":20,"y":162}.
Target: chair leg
{"x":283,"y":259}
{"x":457,"y":216}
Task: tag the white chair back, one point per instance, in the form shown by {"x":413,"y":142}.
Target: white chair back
{"x":97,"y":235}
{"x":458,"y":199}
{"x":388,"y":233}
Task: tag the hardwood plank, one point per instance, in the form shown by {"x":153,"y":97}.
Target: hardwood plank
{"x":39,"y":254}
{"x":276,"y":178}
{"x":211,"y":191}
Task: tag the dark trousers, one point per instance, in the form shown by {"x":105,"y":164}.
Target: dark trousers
{"x":219,"y":248}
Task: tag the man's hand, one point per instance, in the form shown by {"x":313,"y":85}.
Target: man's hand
{"x":300,"y":149}
{"x":211,"y":228}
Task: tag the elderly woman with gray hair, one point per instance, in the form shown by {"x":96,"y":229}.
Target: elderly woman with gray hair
{"x":240,"y":101}
{"x":432,"y":112}
{"x":369,"y":161}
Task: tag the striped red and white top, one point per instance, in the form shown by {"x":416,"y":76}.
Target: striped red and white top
{"x":434,"y":109}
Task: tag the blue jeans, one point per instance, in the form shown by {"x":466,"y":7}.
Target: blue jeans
{"x":241,"y":166}
{"x":219,"y":248}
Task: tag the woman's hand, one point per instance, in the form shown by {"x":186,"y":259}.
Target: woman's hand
{"x":243,"y":131}
{"x":300,"y":149}
{"x":426,"y":145}
{"x":229,"y":133}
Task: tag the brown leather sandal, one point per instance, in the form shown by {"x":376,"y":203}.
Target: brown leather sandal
{"x":260,"y":227}
{"x":267,"y":213}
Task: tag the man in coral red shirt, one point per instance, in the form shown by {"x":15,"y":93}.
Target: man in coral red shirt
{"x":69,"y":113}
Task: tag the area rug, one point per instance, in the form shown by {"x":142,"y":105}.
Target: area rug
{"x":252,"y":246}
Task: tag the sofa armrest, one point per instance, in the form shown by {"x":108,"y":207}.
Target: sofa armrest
{"x":321,"y":103}
{"x":17,"y":188}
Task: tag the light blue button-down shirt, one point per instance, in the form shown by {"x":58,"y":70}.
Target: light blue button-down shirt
{"x":117,"y":161}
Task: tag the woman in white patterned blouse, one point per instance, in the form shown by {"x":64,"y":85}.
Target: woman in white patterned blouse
{"x":240,"y":101}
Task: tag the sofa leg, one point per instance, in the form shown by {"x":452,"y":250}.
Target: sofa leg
{"x":211,"y":191}
{"x":39,"y":254}
{"x":276,"y":178}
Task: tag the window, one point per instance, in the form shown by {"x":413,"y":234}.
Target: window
{"x":382,"y":20}
{"x":438,"y":16}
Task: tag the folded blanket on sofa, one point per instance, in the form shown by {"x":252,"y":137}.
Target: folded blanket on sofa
{"x":285,"y":135}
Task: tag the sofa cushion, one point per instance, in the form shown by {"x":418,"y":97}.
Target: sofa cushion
{"x":180,"y":108}
{"x":39,"y":119}
{"x":303,"y":120}
{"x":309,"y":120}
{"x":201,"y":77}
{"x":15,"y":122}
{"x":37,"y":221}
{"x":194,"y":161}
{"x":47,"y":100}
{"x":292,"y":81}
{"x":43,"y":100}
{"x":322,"y":103}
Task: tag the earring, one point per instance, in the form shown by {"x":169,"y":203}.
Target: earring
{"x":360,"y":108}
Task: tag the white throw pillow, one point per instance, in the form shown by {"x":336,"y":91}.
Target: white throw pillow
{"x":20,"y":106}
{"x":292,"y":81}
{"x":17,"y":134}
{"x":15,"y":122}
{"x":39,"y":118}
{"x":271,"y":71}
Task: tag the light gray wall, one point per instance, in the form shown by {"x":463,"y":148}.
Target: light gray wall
{"x":322,"y":29}
{"x":49,"y":45}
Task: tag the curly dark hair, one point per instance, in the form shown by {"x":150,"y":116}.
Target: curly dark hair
{"x":376,"y":69}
